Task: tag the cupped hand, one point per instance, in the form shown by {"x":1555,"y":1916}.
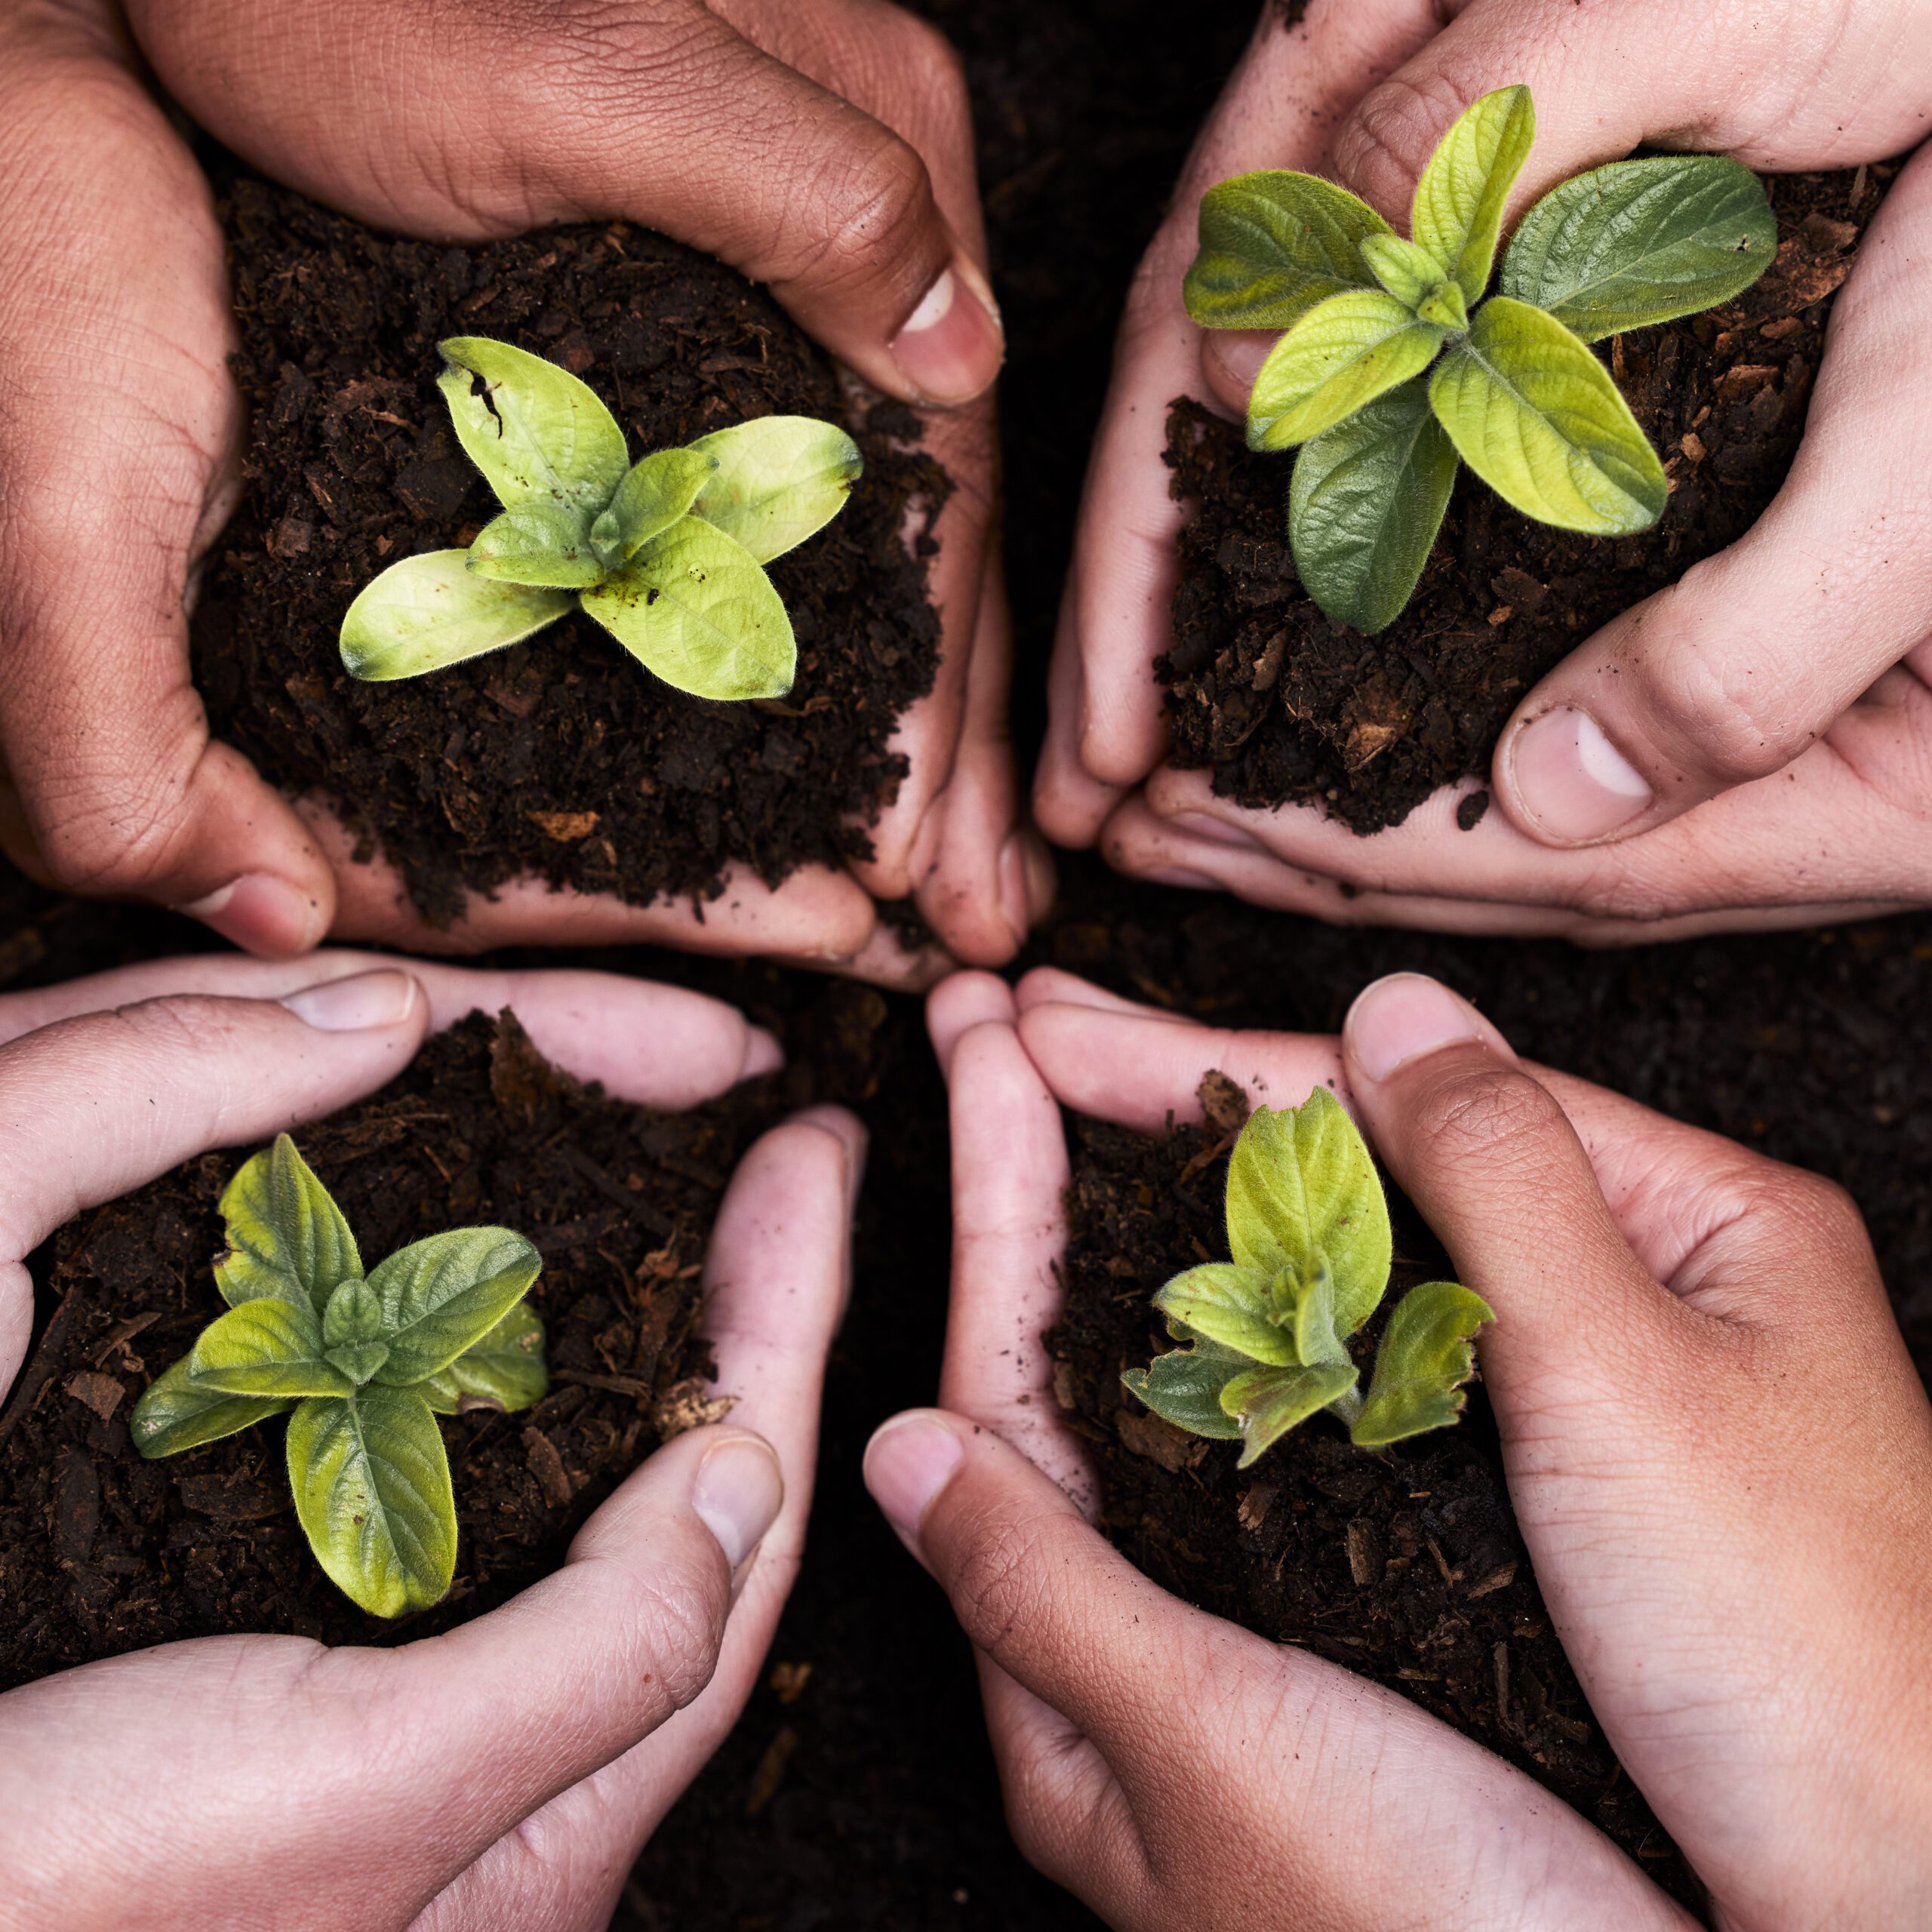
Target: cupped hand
{"x":1719,"y":1455}
{"x":504,"y":1774}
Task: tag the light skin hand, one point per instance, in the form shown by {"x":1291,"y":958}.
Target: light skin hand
{"x":1715,"y":1356}
{"x":524,"y":1757}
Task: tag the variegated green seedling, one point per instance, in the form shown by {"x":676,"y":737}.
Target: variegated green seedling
{"x":667,"y":554}
{"x":1393,"y":367}
{"x":366,"y":1362}
{"x":1268,"y":1331}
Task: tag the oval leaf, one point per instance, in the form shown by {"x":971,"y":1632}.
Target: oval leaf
{"x":176,"y":1414}
{"x":1184,"y":1387}
{"x":775,"y":480}
{"x":1364,"y":505}
{"x":353,"y":1331}
{"x":544,"y":544}
{"x":1458,"y":213}
{"x":654,"y":495}
{"x":1301,"y":1189}
{"x":504,"y":1370}
{"x":1343,"y":354}
{"x":1274,"y":244}
{"x":1642,"y":241}
{"x":1408,"y":271}
{"x":1230,"y":1305}
{"x":696,"y":608}
{"x":532,"y":428}
{"x":1266,"y":1403}
{"x":430,"y":610}
{"x":372,"y":1492}
{"x":1311,"y":1293}
{"x":1422,"y":1364}
{"x":267,"y":1348}
{"x":1536,"y":416}
{"x":440,"y":1295}
{"x":286,"y":1236}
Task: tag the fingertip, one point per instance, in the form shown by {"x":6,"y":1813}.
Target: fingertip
{"x":1405,"y":1017}
{"x":272,"y":917}
{"x":950,"y":349}
{"x":961,"y":1002}
{"x":361,"y":1002}
{"x":763,"y":1054}
{"x":909,"y":1460}
{"x":1566,"y":783}
{"x":853,"y":1140}
{"x":1231,"y":359}
{"x":737,"y":1489}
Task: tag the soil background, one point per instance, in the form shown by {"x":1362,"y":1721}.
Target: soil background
{"x":868,"y":1803}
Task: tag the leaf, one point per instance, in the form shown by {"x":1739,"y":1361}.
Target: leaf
{"x":540,"y":543}
{"x":353,"y":1331}
{"x":1272,"y":245}
{"x":1422,"y":1361}
{"x":654,"y":495}
{"x":535,"y":431}
{"x":1642,"y":241}
{"x":504,"y":1370}
{"x":1536,"y":416}
{"x":775,"y":480}
{"x":269,"y":1349}
{"x":1230,"y":1305}
{"x":1301,"y":1186}
{"x":442,"y":1295}
{"x":1408,"y":271}
{"x":286,"y":1236}
{"x":695,"y":607}
{"x":1458,"y":213}
{"x":176,"y":1414}
{"x":1313,"y":1292}
{"x":433,"y":610}
{"x":1266,"y":1403}
{"x":1344,"y":352}
{"x":1184,"y":1387}
{"x":372,"y":1493}
{"x":1364,"y":505}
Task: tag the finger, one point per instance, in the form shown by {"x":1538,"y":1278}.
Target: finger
{"x":1047,"y":985}
{"x":960,"y":1003}
{"x":1070,"y":803}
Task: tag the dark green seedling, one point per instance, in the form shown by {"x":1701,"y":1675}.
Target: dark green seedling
{"x":366,"y":1364}
{"x":668,"y":555}
{"x":1393,"y":366}
{"x":1309,"y":1230}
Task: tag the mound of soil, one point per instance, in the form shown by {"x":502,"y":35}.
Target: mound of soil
{"x":1286,"y":705}
{"x":101,"y":1552}
{"x":560,"y":757}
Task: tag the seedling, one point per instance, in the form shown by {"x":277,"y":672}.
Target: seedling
{"x":1393,"y":367}
{"x":366,"y":1363}
{"x":1309,"y":1230}
{"x":667,"y":554}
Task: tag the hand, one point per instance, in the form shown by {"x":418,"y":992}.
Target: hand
{"x":1714,"y":1356}
{"x":504,"y":1774}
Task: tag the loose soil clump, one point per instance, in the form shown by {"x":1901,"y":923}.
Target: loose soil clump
{"x":1286,"y":705}
{"x":562,"y":757}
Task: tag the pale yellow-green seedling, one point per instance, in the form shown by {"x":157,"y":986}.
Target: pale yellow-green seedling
{"x":1392,"y":368}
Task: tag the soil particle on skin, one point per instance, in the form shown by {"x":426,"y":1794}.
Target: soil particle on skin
{"x":560,"y":757}
{"x":101,"y":1551}
{"x":1285,"y":705}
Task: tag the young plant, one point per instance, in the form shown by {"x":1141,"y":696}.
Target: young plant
{"x":367,"y":1363}
{"x":667,"y":554}
{"x":1512,"y":392}
{"x":1309,"y":1230}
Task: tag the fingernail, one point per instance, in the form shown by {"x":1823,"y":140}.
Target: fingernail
{"x":950,"y":347}
{"x":1217,"y":832}
{"x":262,"y":914}
{"x":907,"y":1463}
{"x":1572,"y":780}
{"x":1236,"y":356}
{"x":763,"y":1054}
{"x":1179,"y":876}
{"x":1402,"y":1017}
{"x":736,"y":1493}
{"x":358,"y":1004}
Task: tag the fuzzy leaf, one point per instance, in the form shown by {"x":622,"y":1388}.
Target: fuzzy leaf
{"x":535,"y":431}
{"x":1184,"y":1387}
{"x":543,"y":544}
{"x":654,"y":495}
{"x":1364,"y":505}
{"x":269,"y":1349}
{"x":286,"y":1236}
{"x":1422,"y":1361}
{"x":372,"y":1492}
{"x":1301,"y":1186}
{"x":775,"y":480}
{"x":1458,"y":213}
{"x":353,"y":1331}
{"x":1344,"y":353}
{"x":1408,"y":271}
{"x":1642,"y":241}
{"x":505,"y":1369}
{"x":1313,"y":1291}
{"x":1272,"y":245}
{"x":1536,"y":416}
{"x":695,"y":607}
{"x":440,"y":1295}
{"x":176,"y":1413}
{"x":433,"y":610}
{"x":1266,"y":1403}
{"x":1230,"y":1305}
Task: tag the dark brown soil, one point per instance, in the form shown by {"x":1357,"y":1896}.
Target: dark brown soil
{"x":1405,"y":1566}
{"x":560,"y":757}
{"x":101,"y":1552}
{"x":1286,"y":705}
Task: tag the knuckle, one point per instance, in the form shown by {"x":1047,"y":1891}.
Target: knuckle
{"x":1493,"y":1118}
{"x":867,"y":206}
{"x":993,"y":1585}
{"x":677,"y":1622}
{"x":1382,"y":150}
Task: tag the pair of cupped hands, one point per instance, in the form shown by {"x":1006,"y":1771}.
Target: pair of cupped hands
{"x":1718,"y":1452}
